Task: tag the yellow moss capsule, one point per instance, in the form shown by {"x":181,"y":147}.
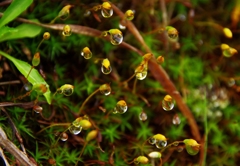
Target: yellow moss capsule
{"x":129,"y":15}
{"x":86,"y":53}
{"x":66,"y":89}
{"x":106,"y":67}
{"x":91,"y":135}
{"x":141,"y":159}
{"x":64,"y":13}
{"x":106,"y":5}
{"x":116,"y":36}
{"x":227,"y":32}
{"x":147,"y":56}
{"x":224,"y":46}
{"x":160,"y":59}
{"x":192,"y":146}
{"x":46,"y":35}
{"x":155,"y":155}
{"x":160,"y":137}
{"x":85,"y":124}
{"x":172,"y":33}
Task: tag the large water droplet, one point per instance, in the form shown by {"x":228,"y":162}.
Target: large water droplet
{"x":176,"y":120}
{"x":106,"y":67}
{"x":27,"y":86}
{"x":121,"y":107}
{"x":67,"y":31}
{"x":106,"y":10}
{"x":167,"y":103}
{"x":64,"y":137}
{"x":116,"y":36}
{"x":141,"y":75}
{"x":105,"y":89}
{"x":161,"y":144}
{"x":75,"y":130}
{"x":86,"y":53}
{"x":143,"y":116}
{"x":152,"y":140}
{"x":37,"y":109}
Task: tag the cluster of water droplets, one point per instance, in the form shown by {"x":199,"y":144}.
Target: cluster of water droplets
{"x":120,"y":108}
{"x":159,"y":143}
{"x":167,"y":103}
{"x":86,"y":53}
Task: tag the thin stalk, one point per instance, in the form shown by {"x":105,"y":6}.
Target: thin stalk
{"x":134,"y":86}
{"x":80,"y":155}
{"x":86,"y":100}
{"x":206,"y":133}
{"x":170,"y":145}
{"x":39,"y":44}
{"x":52,"y":125}
{"x":128,"y":79}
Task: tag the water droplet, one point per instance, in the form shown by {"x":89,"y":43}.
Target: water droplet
{"x":143,"y":116}
{"x":75,"y":130}
{"x":27,"y":86}
{"x":180,"y":149}
{"x":64,"y":137}
{"x":176,"y":120}
{"x":67,"y":31}
{"x":152,"y":140}
{"x":37,"y":109}
{"x":116,"y":36}
{"x":122,"y":26}
{"x":106,"y":10}
{"x":172,"y":33}
{"x":87,"y":13}
{"x":161,"y":144}
{"x":121,"y":107}
{"x":106,"y":67}
{"x":76,"y":122}
{"x":129,"y":15}
{"x":105,"y":89}
{"x":86,"y":53}
{"x":167,"y":103}
{"x":176,"y":143}
{"x":141,"y":71}
{"x":182,"y":17}
{"x":141,"y":75}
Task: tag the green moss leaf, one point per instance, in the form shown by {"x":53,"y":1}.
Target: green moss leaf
{"x":15,"y":9}
{"x":34,"y":77}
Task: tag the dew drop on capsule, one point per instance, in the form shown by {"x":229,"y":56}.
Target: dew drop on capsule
{"x":143,"y":116}
{"x":121,"y":107}
{"x":116,"y":36}
{"x":64,"y":137}
{"x":106,"y":10}
{"x":75,"y":130}
{"x":152,"y":140}
{"x":176,"y":120}
{"x":37,"y":109}
{"x":141,"y":75}
{"x":172,"y":33}
{"x":106,"y":67}
{"x":161,"y":144}
{"x":105,"y":89}
{"x":67,"y":31}
{"x":86,"y":53}
{"x":167,"y":103}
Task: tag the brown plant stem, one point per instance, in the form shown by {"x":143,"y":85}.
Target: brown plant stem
{"x":12,"y":148}
{"x":160,"y":75}
{"x":158,"y":72}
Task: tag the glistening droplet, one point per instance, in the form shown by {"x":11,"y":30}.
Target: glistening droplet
{"x":106,"y":67}
{"x":176,"y":120}
{"x":86,"y":53}
{"x":161,"y":144}
{"x":105,"y":89}
{"x":152,"y":140}
{"x":143,"y":116}
{"x":141,"y":75}
{"x":75,"y":130}
{"x":37,"y":109}
{"x":64,"y":137}
{"x":27,"y":86}
{"x":121,"y":107}
{"x":116,"y":36}
{"x":167,"y":103}
{"x":106,"y":10}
